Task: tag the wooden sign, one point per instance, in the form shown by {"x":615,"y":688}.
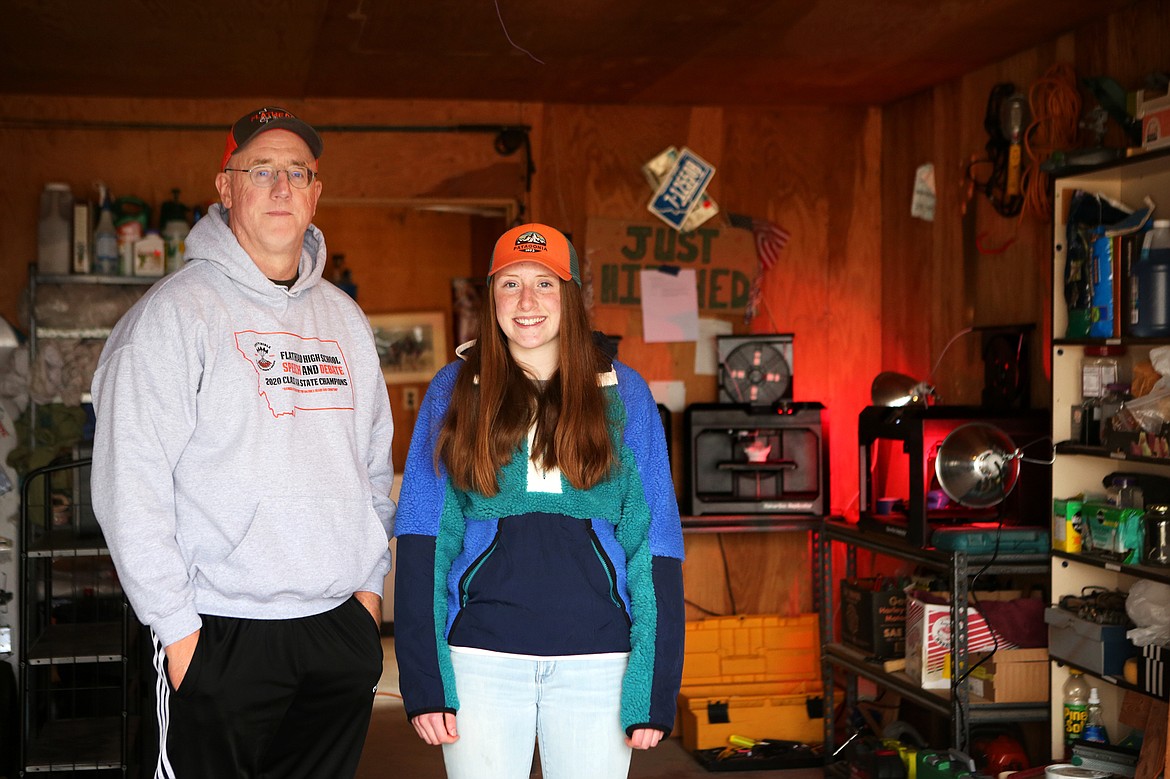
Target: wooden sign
{"x":723,"y":258}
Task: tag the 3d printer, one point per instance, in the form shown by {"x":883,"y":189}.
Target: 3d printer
{"x":744,"y":459}
{"x":756,"y":451}
{"x":900,"y":493}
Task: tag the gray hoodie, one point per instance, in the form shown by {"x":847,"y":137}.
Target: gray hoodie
{"x":242,"y":450}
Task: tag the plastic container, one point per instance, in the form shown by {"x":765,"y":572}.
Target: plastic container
{"x":131,"y":217}
{"x":149,"y":255}
{"x":172,"y":215}
{"x":55,"y":230}
{"x":1125,"y":493}
{"x":1076,"y":706}
{"x":175,"y":237}
{"x":1094,"y":724}
{"x":1157,"y":535}
{"x":1101,"y":366}
{"x":1069,"y":771}
{"x":1152,"y":280}
{"x":1130,"y":495}
{"x":1116,"y":395}
{"x":106,"y":260}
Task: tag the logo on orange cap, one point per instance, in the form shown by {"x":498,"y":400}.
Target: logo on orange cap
{"x":537,"y":243}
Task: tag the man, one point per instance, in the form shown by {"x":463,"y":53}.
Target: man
{"x":242,"y":477}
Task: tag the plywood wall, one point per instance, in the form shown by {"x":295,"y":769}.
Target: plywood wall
{"x":813,"y":171}
{"x":940,"y":264}
{"x":862,"y":284}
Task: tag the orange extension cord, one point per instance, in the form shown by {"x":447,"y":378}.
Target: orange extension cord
{"x":1056,"y":110}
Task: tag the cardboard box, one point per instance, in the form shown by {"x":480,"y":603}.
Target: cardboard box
{"x":1112,"y":531}
{"x":873,"y":620}
{"x":1067,"y":522}
{"x":928,"y":636}
{"x":1011,"y":676}
{"x":1098,"y":649}
{"x":1155,"y":116}
{"x":755,"y":676}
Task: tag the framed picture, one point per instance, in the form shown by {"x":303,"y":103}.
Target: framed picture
{"x":411,"y":347}
{"x":466,"y":298}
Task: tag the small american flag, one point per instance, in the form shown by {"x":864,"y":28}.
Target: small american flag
{"x":770,"y":237}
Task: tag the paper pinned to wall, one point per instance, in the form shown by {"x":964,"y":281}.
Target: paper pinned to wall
{"x":706,"y":350}
{"x":672,"y":394}
{"x":923,"y":199}
{"x":670,"y":306}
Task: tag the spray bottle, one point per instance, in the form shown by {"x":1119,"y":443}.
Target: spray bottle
{"x":105,"y":238}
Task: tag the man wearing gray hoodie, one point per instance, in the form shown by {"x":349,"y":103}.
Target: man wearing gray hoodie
{"x":242,"y":474}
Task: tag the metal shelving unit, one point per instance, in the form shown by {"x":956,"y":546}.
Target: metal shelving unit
{"x":958,"y":567}
{"x":79,"y":638}
{"x":101,"y":287}
{"x":750,"y":523}
{"x":79,"y":642}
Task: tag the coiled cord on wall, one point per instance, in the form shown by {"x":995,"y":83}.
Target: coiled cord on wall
{"x":1056,"y":110}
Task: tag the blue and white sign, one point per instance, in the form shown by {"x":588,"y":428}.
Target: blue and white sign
{"x":682,"y":188}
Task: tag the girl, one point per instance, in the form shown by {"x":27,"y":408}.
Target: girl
{"x":538,"y":593}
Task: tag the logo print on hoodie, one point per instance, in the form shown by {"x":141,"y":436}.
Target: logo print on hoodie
{"x":297,"y":373}
{"x":262,"y":360}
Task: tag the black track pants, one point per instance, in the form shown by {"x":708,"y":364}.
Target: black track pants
{"x":271,"y":699}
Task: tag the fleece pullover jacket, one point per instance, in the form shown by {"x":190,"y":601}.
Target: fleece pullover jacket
{"x":241,"y":460}
{"x":541,"y":568}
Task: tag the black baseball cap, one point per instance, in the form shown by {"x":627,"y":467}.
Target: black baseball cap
{"x":269,"y":118}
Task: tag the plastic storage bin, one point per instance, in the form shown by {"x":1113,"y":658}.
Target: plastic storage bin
{"x":1099,"y":649}
{"x":754,"y":676}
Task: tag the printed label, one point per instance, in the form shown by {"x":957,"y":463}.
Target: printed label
{"x":294,"y":373}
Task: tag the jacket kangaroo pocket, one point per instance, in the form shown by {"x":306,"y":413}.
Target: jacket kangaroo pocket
{"x":302,"y":547}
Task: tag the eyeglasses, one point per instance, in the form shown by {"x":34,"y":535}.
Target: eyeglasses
{"x":264,"y":176}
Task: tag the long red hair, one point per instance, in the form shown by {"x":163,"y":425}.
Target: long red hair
{"x":488,"y":419}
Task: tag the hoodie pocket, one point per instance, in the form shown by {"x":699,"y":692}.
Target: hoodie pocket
{"x":302,"y":548}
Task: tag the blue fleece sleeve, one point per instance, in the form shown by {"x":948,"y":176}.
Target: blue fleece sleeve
{"x":651,"y":534}
{"x":419,"y":587}
{"x":420,"y":500}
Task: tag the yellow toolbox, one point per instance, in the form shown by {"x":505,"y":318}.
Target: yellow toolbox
{"x":756,"y":676}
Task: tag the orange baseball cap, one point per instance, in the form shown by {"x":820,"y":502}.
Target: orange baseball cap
{"x":270,"y":118}
{"x":537,"y":243}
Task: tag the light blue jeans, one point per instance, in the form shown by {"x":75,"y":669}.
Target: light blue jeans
{"x":572,"y":708}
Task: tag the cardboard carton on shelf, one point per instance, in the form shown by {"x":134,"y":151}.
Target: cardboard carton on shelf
{"x":928,"y":634}
{"x":1010,"y":675}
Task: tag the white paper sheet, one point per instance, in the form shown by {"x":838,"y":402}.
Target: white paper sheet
{"x":670,"y":306}
{"x":706,"y":350}
{"x":672,"y":394}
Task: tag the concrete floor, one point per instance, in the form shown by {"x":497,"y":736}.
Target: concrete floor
{"x":393,"y":750}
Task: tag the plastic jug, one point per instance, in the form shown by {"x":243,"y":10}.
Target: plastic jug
{"x":172,"y":215}
{"x":132,"y":215}
{"x":150,"y":255}
{"x":1152,"y":280}
{"x":55,"y":230}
